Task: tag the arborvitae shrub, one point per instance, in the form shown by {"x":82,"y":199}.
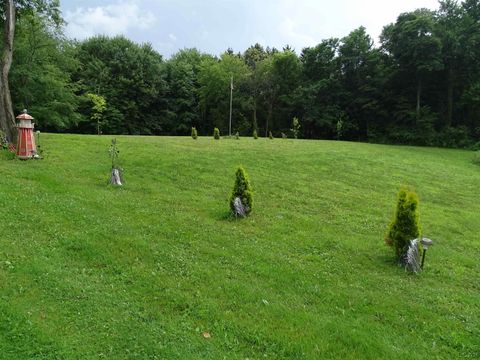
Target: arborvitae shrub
{"x":404,"y":226}
{"x":270,"y":136}
{"x":237,"y":136}
{"x":194,"y":133}
{"x":243,"y":190}
{"x":255,"y":135}
{"x":216,"y":134}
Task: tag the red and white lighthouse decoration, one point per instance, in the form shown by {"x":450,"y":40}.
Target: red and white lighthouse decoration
{"x":26,"y":148}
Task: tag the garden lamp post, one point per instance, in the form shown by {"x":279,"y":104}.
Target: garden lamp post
{"x":426,"y":243}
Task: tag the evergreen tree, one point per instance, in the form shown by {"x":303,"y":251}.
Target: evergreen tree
{"x":242,"y":190}
{"x":216,"y":134}
{"x":405,"y":224}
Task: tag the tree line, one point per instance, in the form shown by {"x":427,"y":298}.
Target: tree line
{"x":419,"y":85}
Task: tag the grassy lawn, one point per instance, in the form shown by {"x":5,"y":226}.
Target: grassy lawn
{"x":88,"y":271}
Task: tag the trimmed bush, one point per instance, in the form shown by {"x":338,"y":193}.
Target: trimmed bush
{"x":237,"y":136}
{"x":194,"y":133}
{"x":255,"y":135}
{"x":242,"y":190}
{"x":216,"y":134}
{"x":405,"y":225}
{"x":270,"y":136}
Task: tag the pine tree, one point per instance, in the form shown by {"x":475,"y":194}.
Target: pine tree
{"x":194,"y":133}
{"x":216,"y":134}
{"x":242,"y":190}
{"x":270,"y":136}
{"x":405,"y":224}
{"x":255,"y":135}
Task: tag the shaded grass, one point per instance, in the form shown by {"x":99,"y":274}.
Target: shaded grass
{"x":91,"y":271}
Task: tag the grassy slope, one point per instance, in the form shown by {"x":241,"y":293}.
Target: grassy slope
{"x":90,"y":271}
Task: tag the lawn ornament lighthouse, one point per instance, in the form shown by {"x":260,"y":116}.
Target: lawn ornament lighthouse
{"x":26,"y":148}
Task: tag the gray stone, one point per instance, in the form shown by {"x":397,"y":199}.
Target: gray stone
{"x":239,"y":208}
{"x":412,"y":257}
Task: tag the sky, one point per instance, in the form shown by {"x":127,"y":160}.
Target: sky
{"x":213,"y":26}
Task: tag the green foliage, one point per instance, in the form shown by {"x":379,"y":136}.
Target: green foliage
{"x":41,"y":77}
{"x":194,"y":133}
{"x":270,"y":135}
{"x":237,"y":136}
{"x":214,"y":88}
{"x":216,"y":133}
{"x":243,"y":190}
{"x":99,"y":104}
{"x":295,"y":127}
{"x":255,"y":134}
{"x":183,"y":92}
{"x":131,"y":77}
{"x":405,"y":224}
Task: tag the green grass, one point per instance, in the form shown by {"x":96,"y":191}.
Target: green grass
{"x":89,"y":271}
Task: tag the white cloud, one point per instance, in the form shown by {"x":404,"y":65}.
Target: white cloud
{"x":114,"y":19}
{"x":172,"y":37}
{"x":301,"y":23}
{"x":294,"y":36}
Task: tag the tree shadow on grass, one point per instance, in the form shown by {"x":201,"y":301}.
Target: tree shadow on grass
{"x":225,"y":216}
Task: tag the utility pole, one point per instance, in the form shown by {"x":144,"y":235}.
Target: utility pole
{"x":231,"y":102}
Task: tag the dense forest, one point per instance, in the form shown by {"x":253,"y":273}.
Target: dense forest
{"x":419,"y":85}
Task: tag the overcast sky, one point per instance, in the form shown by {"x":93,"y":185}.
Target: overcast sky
{"x":214,"y":25}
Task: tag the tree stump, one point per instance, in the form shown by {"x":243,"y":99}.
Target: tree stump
{"x":412,"y":257}
{"x":115,"y":177}
{"x":239,"y":208}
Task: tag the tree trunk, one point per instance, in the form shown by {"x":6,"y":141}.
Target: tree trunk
{"x":419,"y":94}
{"x":7,"y":118}
{"x":115,"y":177}
{"x":449,"y":98}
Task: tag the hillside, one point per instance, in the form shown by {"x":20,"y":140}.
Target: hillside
{"x":144,"y":271}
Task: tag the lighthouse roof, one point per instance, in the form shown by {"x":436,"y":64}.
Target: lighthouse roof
{"x":24,"y":116}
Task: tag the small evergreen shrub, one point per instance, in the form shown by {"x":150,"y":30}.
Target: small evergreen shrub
{"x":242,"y":190}
{"x":216,"y":134}
{"x":194,"y":133}
{"x":255,"y":134}
{"x":476,"y":157}
{"x":270,"y":136}
{"x":284,"y":136}
{"x":295,"y":127}
{"x":237,"y":136}
{"x":405,"y":225}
